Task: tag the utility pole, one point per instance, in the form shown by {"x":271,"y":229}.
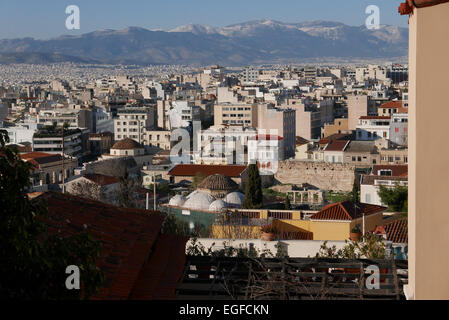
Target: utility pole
{"x":63,"y":149}
{"x":154,"y":191}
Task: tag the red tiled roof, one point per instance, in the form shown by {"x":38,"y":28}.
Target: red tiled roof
{"x":408,"y":5}
{"x":100,"y":179}
{"x":301,"y":141}
{"x":375,"y":117}
{"x":162,"y":271}
{"x":398,"y":170}
{"x":391,"y":104}
{"x":396,"y":231}
{"x":127,"y":236}
{"x":38,"y":158}
{"x":190,"y":170}
{"x":336,"y":136}
{"x":346,"y":210}
{"x":336,"y":145}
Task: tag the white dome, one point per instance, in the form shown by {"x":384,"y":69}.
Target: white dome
{"x":192,"y":194}
{"x":217,"y":205}
{"x":199,"y":201}
{"x":177,"y":201}
{"x":235,"y":199}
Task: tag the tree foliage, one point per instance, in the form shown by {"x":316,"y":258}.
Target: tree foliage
{"x":287,"y":204}
{"x":197,"y":179}
{"x":371,"y":247}
{"x":253,"y":189}
{"x":395,"y":198}
{"x":32,"y":262}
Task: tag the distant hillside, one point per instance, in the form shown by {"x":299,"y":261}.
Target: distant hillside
{"x":39,"y":58}
{"x":254,"y":42}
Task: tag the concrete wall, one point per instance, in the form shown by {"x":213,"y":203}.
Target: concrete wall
{"x":428,"y":153}
{"x":326,"y":176}
{"x":295,"y":248}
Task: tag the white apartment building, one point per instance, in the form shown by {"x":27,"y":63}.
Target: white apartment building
{"x":22,"y":132}
{"x":133,"y":122}
{"x":183,"y":113}
{"x":373,"y":128}
{"x":250,"y":74}
{"x":223,"y":144}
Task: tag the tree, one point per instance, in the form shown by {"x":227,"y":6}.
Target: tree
{"x":253,"y":189}
{"x":32,"y":262}
{"x":87,"y":190}
{"x":127,"y":194}
{"x":287,"y":204}
{"x":395,"y":198}
{"x":197,"y":179}
{"x":355,"y":198}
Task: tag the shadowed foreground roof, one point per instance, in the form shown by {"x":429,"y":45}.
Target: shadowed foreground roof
{"x":128,"y":237}
{"x":190,"y":170}
{"x":346,"y":210}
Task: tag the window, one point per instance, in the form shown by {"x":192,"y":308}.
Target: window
{"x":367,"y":198}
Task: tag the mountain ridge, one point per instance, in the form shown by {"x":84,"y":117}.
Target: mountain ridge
{"x":252,"y":42}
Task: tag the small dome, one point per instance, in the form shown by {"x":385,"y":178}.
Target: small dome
{"x":127,"y":144}
{"x":199,"y":201}
{"x":218,"y":182}
{"x":192,"y":194}
{"x":177,"y":201}
{"x":217,"y":205}
{"x":234,"y":199}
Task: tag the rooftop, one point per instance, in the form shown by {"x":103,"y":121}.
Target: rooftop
{"x":346,"y":210}
{"x":128,"y":237}
{"x":127,"y":144}
{"x":191,"y":170}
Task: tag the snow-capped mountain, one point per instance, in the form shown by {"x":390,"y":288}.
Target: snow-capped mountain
{"x":253,"y":42}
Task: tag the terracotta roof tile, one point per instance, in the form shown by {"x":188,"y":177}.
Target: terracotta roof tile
{"x":337,"y":145}
{"x":189,"y":170}
{"x":396,"y":231}
{"x":161,"y":273}
{"x":408,"y":5}
{"x":397,"y":170}
{"x":101,"y":179}
{"x":346,"y":210}
{"x":127,"y":236}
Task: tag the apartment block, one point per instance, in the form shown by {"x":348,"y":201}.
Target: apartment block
{"x":133,"y":122}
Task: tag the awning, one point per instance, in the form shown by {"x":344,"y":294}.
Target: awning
{"x":408,"y":6}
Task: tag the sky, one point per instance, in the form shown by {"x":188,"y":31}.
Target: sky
{"x":46,"y":18}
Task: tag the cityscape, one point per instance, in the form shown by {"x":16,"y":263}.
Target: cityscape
{"x":256,"y":161}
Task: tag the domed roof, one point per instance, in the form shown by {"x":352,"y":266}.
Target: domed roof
{"x":199,"y":201}
{"x":218,"y":182}
{"x":127,"y":144}
{"x":177,"y":201}
{"x":235,"y":199}
{"x":217,"y":205}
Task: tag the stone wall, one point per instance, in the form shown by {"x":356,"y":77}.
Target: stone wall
{"x":326,"y":176}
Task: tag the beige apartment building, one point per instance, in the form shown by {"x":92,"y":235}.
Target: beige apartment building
{"x":133,"y":123}
{"x":393,"y":156}
{"x":308,"y":118}
{"x":359,"y":106}
{"x":428,"y":221}
{"x":339,"y":125}
{"x":283,"y":121}
{"x":240,"y":114}
{"x":158,"y":138}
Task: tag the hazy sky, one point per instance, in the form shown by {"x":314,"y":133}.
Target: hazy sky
{"x":46,"y":18}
